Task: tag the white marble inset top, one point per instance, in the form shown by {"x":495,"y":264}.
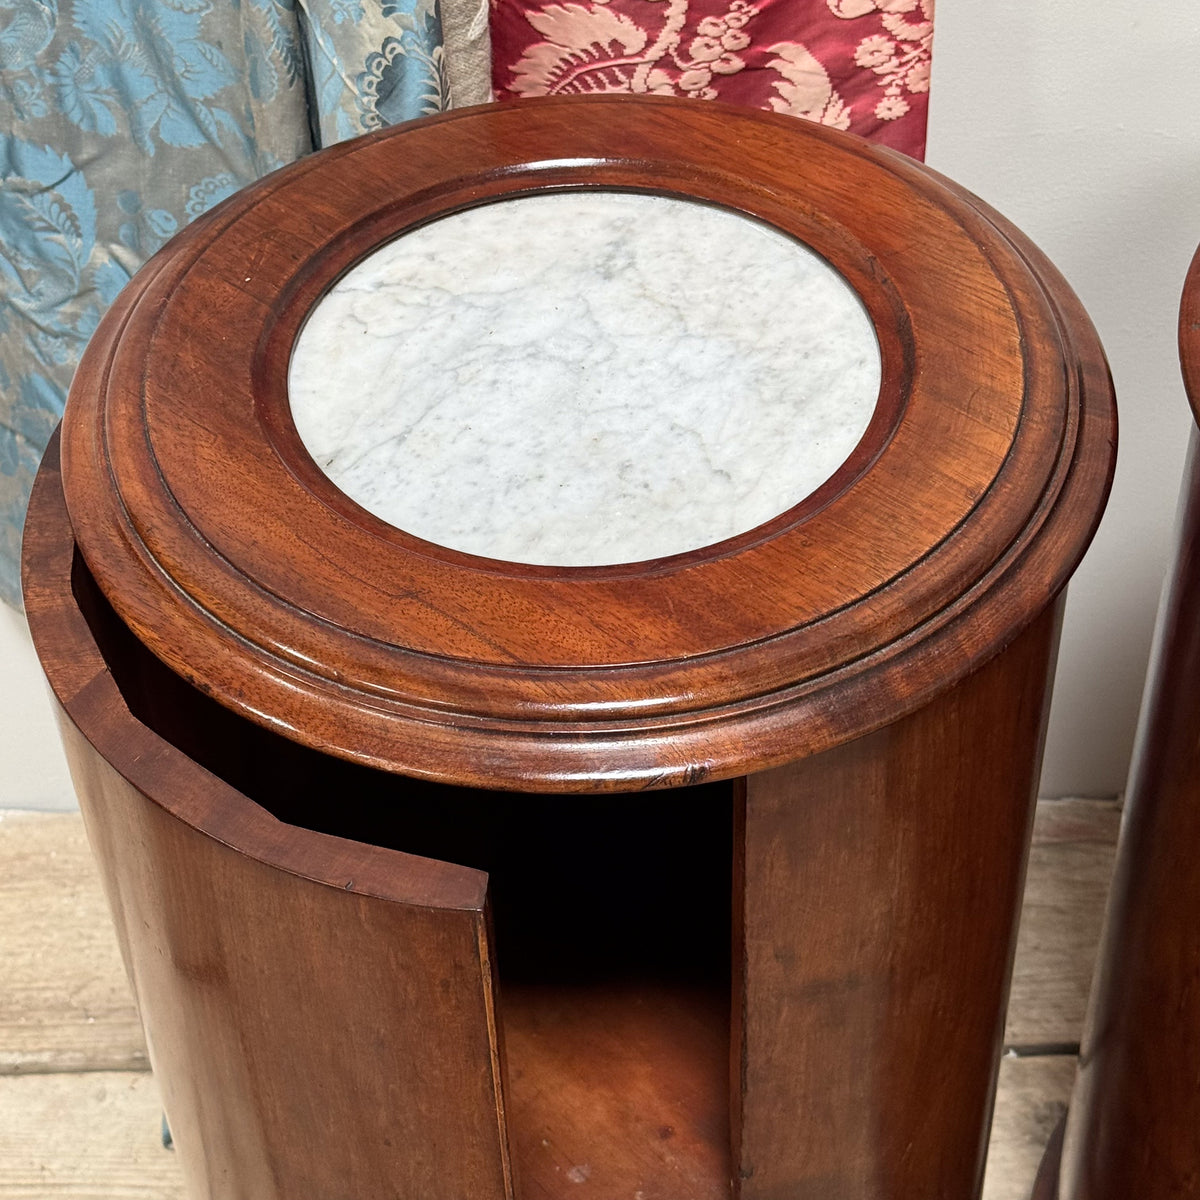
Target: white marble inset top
{"x":585,"y":378}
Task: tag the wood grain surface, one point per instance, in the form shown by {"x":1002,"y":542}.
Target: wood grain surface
{"x":90,"y":1133}
{"x":92,"y":1136}
{"x":1070,"y":869}
{"x":238,"y":563}
{"x":882,"y":890}
{"x":311,"y":1004}
{"x":1031,"y":1100}
{"x":324,"y":765}
{"x":53,"y":915}
{"x":624,"y":1089}
{"x":67,"y":1004}
{"x":179,"y":844}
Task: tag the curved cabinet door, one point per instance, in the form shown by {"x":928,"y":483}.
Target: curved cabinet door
{"x":319,"y":1012}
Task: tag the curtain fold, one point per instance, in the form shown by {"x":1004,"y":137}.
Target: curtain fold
{"x":861,"y":65}
{"x":122,"y":120}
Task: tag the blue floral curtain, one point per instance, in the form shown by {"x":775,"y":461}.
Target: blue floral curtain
{"x":121,"y":120}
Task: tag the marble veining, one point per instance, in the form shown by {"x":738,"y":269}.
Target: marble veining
{"x":585,"y":378}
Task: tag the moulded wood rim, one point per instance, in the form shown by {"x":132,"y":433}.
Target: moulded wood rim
{"x":84,"y":686}
{"x":231,"y":556}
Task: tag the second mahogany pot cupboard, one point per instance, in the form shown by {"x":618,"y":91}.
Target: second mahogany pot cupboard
{"x":1131,"y":1129}
{"x":448,"y":877}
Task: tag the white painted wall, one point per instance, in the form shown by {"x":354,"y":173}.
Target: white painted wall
{"x":34,"y":772}
{"x":1080,"y":121}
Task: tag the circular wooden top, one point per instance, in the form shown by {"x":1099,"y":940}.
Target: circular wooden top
{"x":959,"y":515}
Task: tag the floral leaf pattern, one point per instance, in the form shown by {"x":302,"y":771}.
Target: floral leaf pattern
{"x":804,"y":87}
{"x":861,"y":65}
{"x":26,"y":33}
{"x":366,"y":71}
{"x":899,"y":56}
{"x":586,"y":47}
{"x":122,"y":120}
{"x":404,"y":78}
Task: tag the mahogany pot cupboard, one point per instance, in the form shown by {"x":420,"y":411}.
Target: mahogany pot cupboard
{"x":441,"y":876}
{"x":1132,"y":1125}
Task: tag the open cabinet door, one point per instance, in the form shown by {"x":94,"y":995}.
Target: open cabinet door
{"x":319,"y":1012}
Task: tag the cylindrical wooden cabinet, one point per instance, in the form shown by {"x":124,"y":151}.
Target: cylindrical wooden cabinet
{"x":553,"y":610}
{"x":1132,"y":1128}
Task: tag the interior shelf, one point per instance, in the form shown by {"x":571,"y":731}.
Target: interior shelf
{"x":621,"y":1088}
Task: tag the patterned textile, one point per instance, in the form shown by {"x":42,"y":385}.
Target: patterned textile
{"x":861,"y":65}
{"x":364,"y":76}
{"x":121,"y":120}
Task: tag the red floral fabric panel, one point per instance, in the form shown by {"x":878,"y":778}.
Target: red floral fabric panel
{"x":861,"y":65}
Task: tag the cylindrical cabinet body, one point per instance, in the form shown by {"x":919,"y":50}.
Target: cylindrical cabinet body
{"x":685,"y":868}
{"x":1131,"y":1128}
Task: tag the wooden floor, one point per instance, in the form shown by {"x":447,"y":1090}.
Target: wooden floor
{"x":79,"y":1111}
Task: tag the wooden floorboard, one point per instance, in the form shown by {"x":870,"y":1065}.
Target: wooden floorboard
{"x":91,"y":1136}
{"x":95,"y":1136}
{"x":1070,"y":867}
{"x":1031,"y":1097}
{"x":64,"y":1000}
{"x":79,"y":1115}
